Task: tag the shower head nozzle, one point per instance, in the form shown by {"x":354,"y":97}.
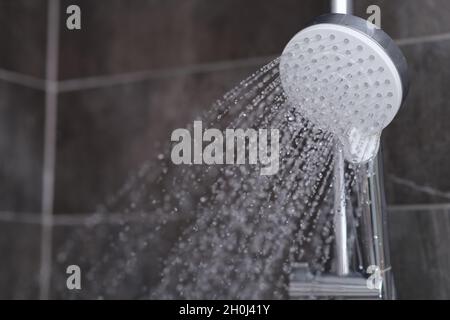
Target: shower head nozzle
{"x":347,"y":77}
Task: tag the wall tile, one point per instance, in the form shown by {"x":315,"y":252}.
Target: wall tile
{"x":23,"y":27}
{"x":21,"y":143}
{"x":19,"y":270}
{"x":105,"y":134}
{"x":411,"y":18}
{"x":419,"y":253}
{"x":120,"y":36}
{"x":416,"y":143}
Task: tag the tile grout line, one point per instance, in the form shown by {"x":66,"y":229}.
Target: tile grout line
{"x":78,"y":218}
{"x":124,"y":78}
{"x":419,"y":188}
{"x":48,"y":171}
{"x":22,"y":79}
{"x":423,"y":39}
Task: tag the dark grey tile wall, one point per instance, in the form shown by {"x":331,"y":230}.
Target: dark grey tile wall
{"x":23,"y":27}
{"x":420,"y":255}
{"x":118,"y":261}
{"x":105,"y":134}
{"x":409,"y":18}
{"x":158,"y":35}
{"x":21,"y":144}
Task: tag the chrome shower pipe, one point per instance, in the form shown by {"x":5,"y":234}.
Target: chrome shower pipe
{"x":340,"y":213}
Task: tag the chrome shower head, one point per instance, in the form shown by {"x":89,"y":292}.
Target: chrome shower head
{"x":348,"y":77}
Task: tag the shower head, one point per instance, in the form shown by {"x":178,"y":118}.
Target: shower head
{"x":348,"y":77}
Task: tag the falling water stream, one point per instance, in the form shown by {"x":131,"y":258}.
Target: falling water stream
{"x":218,"y":231}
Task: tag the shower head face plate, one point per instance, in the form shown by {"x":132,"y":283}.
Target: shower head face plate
{"x":344,"y":81}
